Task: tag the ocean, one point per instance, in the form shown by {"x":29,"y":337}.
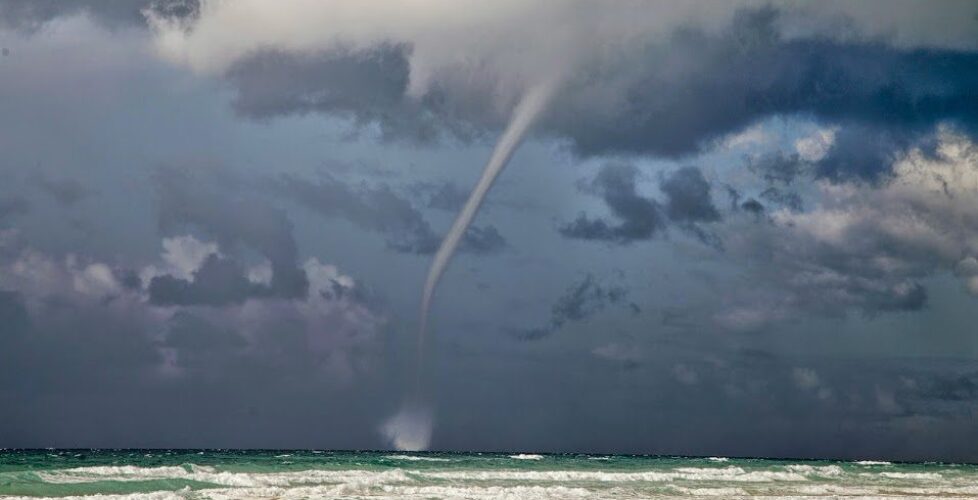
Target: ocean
{"x":223,"y":474}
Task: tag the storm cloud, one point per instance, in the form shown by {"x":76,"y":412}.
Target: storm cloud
{"x":188,"y":199}
{"x":668,"y":91}
{"x":742,"y":229}
{"x":579,"y":302}
{"x":640,"y":217}
{"x":688,"y":203}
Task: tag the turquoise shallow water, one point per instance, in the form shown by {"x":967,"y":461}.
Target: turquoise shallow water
{"x":189,"y":474}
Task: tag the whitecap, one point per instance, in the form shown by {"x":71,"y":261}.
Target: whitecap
{"x":526,"y":456}
{"x":414,"y":458}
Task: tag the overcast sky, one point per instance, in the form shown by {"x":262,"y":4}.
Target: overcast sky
{"x":739,"y":228}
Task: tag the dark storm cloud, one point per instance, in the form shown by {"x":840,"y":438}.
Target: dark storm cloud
{"x":703,"y":86}
{"x":688,"y":204}
{"x":962,"y":387}
{"x":382,"y":210}
{"x":678,"y":95}
{"x":578,"y":303}
{"x":753,"y":206}
{"x":365,"y":85}
{"x":191,"y":199}
{"x":219,"y":281}
{"x":638,"y":217}
{"x":863,"y":152}
{"x":688,"y":195}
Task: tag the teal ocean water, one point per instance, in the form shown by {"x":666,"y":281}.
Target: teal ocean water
{"x":184,"y":474}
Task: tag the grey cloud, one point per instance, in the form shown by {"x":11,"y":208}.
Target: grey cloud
{"x":129,"y":279}
{"x":688,"y":195}
{"x":382,"y":210}
{"x":670,"y":99}
{"x":865,"y":151}
{"x":865,"y":248}
{"x":753,"y":206}
{"x":219,"y":281}
{"x":688,"y":205}
{"x":858,"y":152}
{"x":792,"y":276}
{"x":31,"y":15}
{"x":578,"y":303}
{"x":962,"y":387}
{"x":701,"y":86}
{"x":191,"y":199}
{"x":640,"y":217}
{"x":365,"y":85}
{"x":483,"y":240}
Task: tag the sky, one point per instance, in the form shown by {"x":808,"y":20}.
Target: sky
{"x":742,"y":228}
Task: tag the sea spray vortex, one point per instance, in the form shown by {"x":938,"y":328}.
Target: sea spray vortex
{"x":410,"y":428}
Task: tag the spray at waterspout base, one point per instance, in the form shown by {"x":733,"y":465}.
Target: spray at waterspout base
{"x":410,"y":428}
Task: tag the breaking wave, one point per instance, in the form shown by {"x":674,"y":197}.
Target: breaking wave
{"x":518,"y":476}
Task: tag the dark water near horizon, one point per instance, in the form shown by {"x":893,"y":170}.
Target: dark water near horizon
{"x":225,"y":474}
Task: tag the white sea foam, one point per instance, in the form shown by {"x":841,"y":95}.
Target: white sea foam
{"x":817,"y":470}
{"x":526,"y":456}
{"x":917,"y":476}
{"x":710,"y":492}
{"x":718,"y":459}
{"x":733,"y":474}
{"x":414,"y":458}
{"x":873,"y":462}
{"x":223,"y":478}
{"x":792,"y":481}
